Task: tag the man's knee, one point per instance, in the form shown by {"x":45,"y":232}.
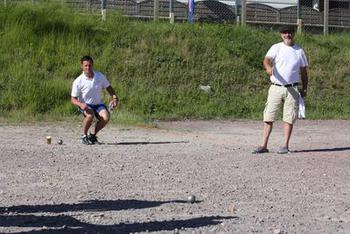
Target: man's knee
{"x":104,"y":116}
{"x":268,"y":123}
{"x":104,"y":119}
{"x":89,"y":114}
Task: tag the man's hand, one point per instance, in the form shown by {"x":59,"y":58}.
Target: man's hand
{"x":269,"y":71}
{"x":76,"y":102}
{"x":268,"y":65}
{"x":304,"y":81}
{"x":115,"y":101}
{"x":83,"y":106}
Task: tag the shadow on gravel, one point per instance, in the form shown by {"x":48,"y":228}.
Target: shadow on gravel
{"x":87,"y":206}
{"x":48,"y":223}
{"x":323,"y":150}
{"x":145,"y":143}
{"x":66,"y":224}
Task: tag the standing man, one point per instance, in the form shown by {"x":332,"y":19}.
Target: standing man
{"x":286,"y":64}
{"x":87,"y":96}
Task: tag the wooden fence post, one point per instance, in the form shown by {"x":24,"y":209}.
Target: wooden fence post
{"x":156,"y":10}
{"x":89,"y":5}
{"x":103,"y":9}
{"x":171,"y":11}
{"x":299,"y":20}
{"x":325,"y":17}
{"x":243,"y":12}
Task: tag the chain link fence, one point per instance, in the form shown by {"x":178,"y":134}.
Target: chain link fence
{"x":308,"y":15}
{"x":205,"y":11}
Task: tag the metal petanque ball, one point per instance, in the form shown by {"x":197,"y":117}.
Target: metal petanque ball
{"x":60,"y":142}
{"x":191,"y":199}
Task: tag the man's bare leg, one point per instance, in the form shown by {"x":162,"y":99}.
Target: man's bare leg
{"x":266,"y":134}
{"x":87,"y":122}
{"x":102,"y":122}
{"x":287,"y":133}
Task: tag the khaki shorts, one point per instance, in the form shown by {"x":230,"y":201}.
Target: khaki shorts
{"x":289,"y":96}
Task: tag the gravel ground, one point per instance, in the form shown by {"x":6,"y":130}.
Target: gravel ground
{"x":139,"y":179}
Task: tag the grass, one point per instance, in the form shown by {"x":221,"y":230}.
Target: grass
{"x":156,"y":67}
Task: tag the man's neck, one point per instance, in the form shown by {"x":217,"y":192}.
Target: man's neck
{"x":89,"y":75}
{"x":291,"y":43}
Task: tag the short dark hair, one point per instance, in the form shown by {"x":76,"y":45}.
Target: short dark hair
{"x":86,"y":58}
{"x":286,"y":28}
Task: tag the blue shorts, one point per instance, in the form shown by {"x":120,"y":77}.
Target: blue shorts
{"x":96,"y":108}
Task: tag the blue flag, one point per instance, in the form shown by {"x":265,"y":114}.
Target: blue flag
{"x":190,"y":10}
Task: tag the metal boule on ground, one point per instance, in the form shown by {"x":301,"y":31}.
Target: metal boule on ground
{"x":191,"y":198}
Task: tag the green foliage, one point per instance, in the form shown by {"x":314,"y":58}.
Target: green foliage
{"x":156,"y":67}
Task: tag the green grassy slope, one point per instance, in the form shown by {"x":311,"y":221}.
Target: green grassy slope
{"x":156,"y":68}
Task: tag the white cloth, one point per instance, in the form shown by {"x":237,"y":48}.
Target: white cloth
{"x":287,"y":61}
{"x":90,"y":91}
{"x":301,"y":114}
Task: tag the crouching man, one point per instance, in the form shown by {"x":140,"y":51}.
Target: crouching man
{"x":87,"y":96}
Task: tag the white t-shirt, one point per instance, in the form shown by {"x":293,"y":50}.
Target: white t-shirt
{"x":287,"y":61}
{"x":89,"y":91}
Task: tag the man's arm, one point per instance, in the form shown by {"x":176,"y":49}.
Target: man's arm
{"x":268,"y":65}
{"x":75,"y":102}
{"x":115,"y":98}
{"x":304,"y":81}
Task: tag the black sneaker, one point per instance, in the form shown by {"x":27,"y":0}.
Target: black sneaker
{"x":93,"y":138}
{"x":85,"y":140}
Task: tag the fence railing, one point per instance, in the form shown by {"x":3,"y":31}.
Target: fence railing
{"x":307,"y":15}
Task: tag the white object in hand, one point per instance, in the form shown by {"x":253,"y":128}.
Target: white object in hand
{"x":301,"y":114}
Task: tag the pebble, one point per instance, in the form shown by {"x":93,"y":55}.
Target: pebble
{"x":232,"y":208}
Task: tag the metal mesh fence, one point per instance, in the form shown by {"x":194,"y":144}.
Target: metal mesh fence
{"x":315,"y":15}
{"x":311,"y":12}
